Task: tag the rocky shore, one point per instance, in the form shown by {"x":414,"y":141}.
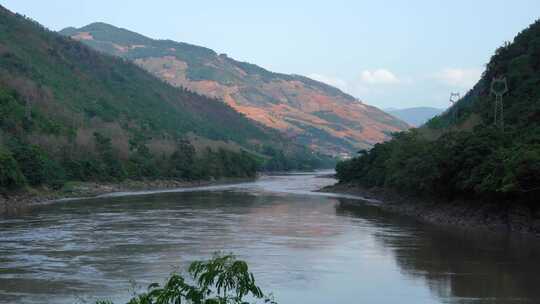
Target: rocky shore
{"x":461,"y":214}
{"x":15,"y":203}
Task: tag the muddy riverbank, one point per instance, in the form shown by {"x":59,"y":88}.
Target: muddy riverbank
{"x":27,"y":199}
{"x":467,"y":215}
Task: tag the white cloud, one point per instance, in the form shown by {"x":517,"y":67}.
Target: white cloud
{"x":459,"y":77}
{"x":379,"y":76}
{"x":333,"y":81}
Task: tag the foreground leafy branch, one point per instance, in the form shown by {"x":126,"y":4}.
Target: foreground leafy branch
{"x":220,"y":280}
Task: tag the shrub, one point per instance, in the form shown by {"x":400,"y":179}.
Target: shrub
{"x":220,"y":280}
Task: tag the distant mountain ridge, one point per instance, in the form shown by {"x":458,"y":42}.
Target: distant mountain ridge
{"x":310,"y":112}
{"x":415,"y":116}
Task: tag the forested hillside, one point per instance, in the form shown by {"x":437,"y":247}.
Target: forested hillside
{"x":462,"y":153}
{"x":309,"y":112}
{"x":68,"y":112}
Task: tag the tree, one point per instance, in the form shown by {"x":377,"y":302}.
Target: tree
{"x":112,"y":166}
{"x":141,"y":159}
{"x":11,"y":176}
{"x":182,"y":160}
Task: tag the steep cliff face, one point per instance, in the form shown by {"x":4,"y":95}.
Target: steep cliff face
{"x":308,"y":111}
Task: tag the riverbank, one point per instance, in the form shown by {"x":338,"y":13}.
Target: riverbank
{"x":461,"y":214}
{"x":27,"y":199}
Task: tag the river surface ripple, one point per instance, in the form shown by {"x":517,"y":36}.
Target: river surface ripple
{"x":304,"y":246}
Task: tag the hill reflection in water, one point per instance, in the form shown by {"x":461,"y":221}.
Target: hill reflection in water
{"x":458,"y":266}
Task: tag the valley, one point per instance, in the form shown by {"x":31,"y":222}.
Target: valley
{"x":142,"y":162}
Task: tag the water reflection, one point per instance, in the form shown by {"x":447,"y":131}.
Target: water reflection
{"x":458,"y":266}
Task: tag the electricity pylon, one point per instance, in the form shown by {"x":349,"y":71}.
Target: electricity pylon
{"x":454,"y":97}
{"x":499,"y":87}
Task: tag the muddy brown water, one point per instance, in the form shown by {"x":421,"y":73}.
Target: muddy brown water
{"x":303,"y":246}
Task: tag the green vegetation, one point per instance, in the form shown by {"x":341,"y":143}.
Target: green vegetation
{"x":220,"y":280}
{"x":11,"y":176}
{"x":69,"y":113}
{"x":469,"y":157}
{"x":253,"y":86}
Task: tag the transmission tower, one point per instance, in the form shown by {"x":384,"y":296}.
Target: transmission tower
{"x":499,"y":87}
{"x":454,"y":97}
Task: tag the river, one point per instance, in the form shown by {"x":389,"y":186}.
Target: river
{"x":305,"y":247}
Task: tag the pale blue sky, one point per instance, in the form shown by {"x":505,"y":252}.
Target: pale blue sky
{"x":386,"y":53}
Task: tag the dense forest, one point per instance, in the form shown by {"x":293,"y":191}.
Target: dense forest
{"x":462,"y":153}
{"x":70,"y":113}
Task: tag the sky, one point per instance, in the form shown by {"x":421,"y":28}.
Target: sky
{"x":391,"y":54}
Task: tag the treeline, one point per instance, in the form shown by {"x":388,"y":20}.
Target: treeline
{"x":300,"y":160}
{"x":486,"y":164}
{"x":23,"y":164}
{"x":461,"y":153}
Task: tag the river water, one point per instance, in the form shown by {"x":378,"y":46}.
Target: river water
{"x":303,"y":246}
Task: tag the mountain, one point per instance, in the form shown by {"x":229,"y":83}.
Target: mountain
{"x":69,"y":111}
{"x":469,"y":152}
{"x":414,"y":116}
{"x":310,"y":112}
